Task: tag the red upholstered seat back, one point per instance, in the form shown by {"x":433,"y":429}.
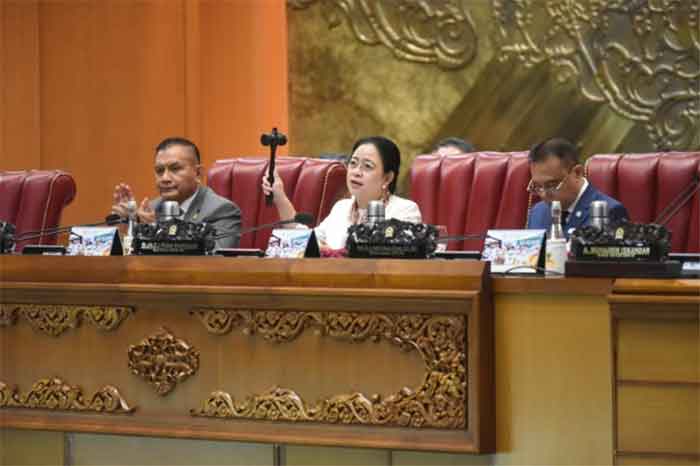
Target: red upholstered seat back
{"x":33,"y":200}
{"x":471,"y":193}
{"x":647,"y":183}
{"x":313,"y":186}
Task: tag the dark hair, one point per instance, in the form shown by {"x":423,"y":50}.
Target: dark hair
{"x":178,"y":141}
{"x":561,"y":148}
{"x":389,"y":153}
{"x":461,"y":144}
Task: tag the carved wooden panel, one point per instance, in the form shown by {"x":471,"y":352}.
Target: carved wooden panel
{"x":440,"y":401}
{"x":56,"y":395}
{"x":54,"y":319}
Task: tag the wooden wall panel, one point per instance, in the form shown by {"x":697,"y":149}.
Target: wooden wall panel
{"x":112,"y":85}
{"x":243,"y":94}
{"x":663,"y":351}
{"x":20,"y":139}
{"x":93,"y":86}
{"x":659,"y":419}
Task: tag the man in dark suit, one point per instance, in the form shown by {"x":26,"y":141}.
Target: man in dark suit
{"x":557,"y":175}
{"x":178,"y":169}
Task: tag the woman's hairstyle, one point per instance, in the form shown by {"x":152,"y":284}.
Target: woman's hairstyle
{"x":389,"y":153}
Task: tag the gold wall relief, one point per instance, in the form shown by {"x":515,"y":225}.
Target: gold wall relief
{"x":423,"y":31}
{"x":642,"y":57}
{"x":55,"y":394}
{"x":439,"y":402}
{"x":163,"y":360}
{"x":54,"y":319}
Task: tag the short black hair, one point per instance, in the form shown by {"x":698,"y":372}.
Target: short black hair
{"x":389,"y":153}
{"x":179,"y":141}
{"x":561,"y":148}
{"x":461,"y":144}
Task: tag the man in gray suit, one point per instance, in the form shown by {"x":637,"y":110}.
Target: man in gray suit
{"x":178,"y":169}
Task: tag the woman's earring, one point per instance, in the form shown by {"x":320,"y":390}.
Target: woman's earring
{"x":385,"y":193}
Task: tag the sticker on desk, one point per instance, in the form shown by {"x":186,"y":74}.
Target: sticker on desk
{"x":292,"y":243}
{"x":94,"y":241}
{"x":517,"y":251}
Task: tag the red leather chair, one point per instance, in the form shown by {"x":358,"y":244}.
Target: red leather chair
{"x":647,"y":183}
{"x":471,"y":193}
{"x":313,"y":186}
{"x":33,"y":200}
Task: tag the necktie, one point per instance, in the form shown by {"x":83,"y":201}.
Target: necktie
{"x":564,"y":217}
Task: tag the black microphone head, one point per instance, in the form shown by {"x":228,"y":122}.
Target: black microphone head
{"x":304,"y":218}
{"x":113,"y":219}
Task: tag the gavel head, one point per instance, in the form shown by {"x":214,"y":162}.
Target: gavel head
{"x":275,"y":138}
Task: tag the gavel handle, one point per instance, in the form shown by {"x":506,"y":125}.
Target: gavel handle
{"x":271,"y":173}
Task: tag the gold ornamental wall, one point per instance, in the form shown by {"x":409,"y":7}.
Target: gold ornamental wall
{"x":611,"y":75}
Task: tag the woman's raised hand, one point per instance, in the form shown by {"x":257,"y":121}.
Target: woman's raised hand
{"x":277,"y":187}
{"x":285,"y":209}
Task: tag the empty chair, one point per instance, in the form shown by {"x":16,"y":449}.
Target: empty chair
{"x":34,"y":200}
{"x":472,"y":193}
{"x":647,"y":184}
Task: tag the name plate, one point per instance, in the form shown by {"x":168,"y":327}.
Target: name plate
{"x":170,"y":247}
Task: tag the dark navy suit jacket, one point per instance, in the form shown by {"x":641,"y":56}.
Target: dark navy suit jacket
{"x":541,"y":217}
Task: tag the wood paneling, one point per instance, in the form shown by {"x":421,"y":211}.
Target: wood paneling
{"x":553,"y":394}
{"x":658,"y":350}
{"x":98,"y":450}
{"x":20,"y":138}
{"x":92,"y":87}
{"x":659,"y":419}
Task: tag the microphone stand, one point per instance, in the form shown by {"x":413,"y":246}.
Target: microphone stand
{"x":679,"y":201}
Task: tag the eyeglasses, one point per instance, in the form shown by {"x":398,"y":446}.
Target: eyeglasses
{"x":365,"y":166}
{"x":549,"y":188}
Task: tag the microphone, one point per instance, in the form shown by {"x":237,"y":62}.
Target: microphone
{"x":301,"y":217}
{"x":599,"y":214}
{"x":273,"y":139}
{"x":168,"y":210}
{"x":110,"y":220}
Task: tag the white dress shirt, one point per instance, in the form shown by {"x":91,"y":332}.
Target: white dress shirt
{"x":333,"y":230}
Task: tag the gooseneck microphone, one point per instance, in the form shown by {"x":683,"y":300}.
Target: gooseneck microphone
{"x":685,"y":195}
{"x":273,"y":139}
{"x":301,"y":217}
{"x":110,"y":220}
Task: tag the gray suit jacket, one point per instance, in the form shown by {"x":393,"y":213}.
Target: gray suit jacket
{"x":209,"y":207}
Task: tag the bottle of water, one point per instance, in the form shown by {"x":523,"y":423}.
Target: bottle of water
{"x":555,"y":247}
